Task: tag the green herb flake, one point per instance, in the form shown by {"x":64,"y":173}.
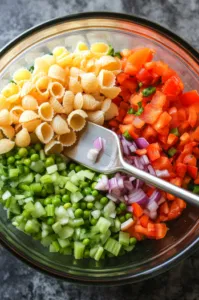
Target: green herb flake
{"x":172,"y":151}
{"x":131,"y":111}
{"x":111,"y":51}
{"x":31,"y":69}
{"x":117,"y":54}
{"x":149,"y":91}
{"x":175,"y":131}
{"x":127,"y":135}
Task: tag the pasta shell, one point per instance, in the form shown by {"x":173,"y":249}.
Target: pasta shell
{"x":89,"y":102}
{"x":59,"y":125}
{"x":68,"y":139}
{"x":81,"y":47}
{"x":58,"y":73}
{"x":75,"y":72}
{"x":49,"y":59}
{"x":5,"y":117}
{"x":44,"y":132}
{"x":42,"y":85}
{"x":57,"y":51}
{"x":4,"y":103}
{"x":58,"y":108}
{"x":109,"y":63}
{"x":35,"y":77}
{"x":21,"y":75}
{"x":29,"y":102}
{"x":96,"y":117}
{"x":8,"y":131}
{"x":31,"y":125}
{"x":28,"y":115}
{"x":40,"y":65}
{"x":53,"y":147}
{"x":98,"y":97}
{"x":78,"y":101}
{"x":106,"y":79}
{"x":22,"y":138}
{"x":111,"y":112}
{"x":89,"y":83}
{"x":11,"y":92}
{"x":76,"y":119}
{"x":18,"y":127}
{"x":99,"y":49}
{"x":74,"y":85}
{"x":111,"y":92}
{"x":46,"y":112}
{"x":56,"y":90}
{"x":15,"y":113}
{"x":34,"y":139}
{"x":65,"y":60}
{"x":68,"y":102}
{"x":26,"y":88}
{"x":106,"y":105}
{"x":6,"y":145}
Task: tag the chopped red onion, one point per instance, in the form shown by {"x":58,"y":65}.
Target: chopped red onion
{"x":113,"y":183}
{"x":133,"y":148}
{"x":129,"y":209}
{"x":145,"y":159}
{"x":93,"y":154}
{"x":141,"y":143}
{"x":153,"y":215}
{"x":128,"y":185}
{"x":155,"y":196}
{"x":127,"y":224}
{"x":151,"y":170}
{"x":162,"y":173}
{"x":102,"y":184}
{"x":138,"y":163}
{"x":139,"y":183}
{"x":138,"y":196}
{"x":152,"y":206}
{"x":132,"y":178}
{"x":99,"y":143}
{"x":126,"y":198}
{"x":120,"y":182}
{"x":111,"y":197}
{"x":125,"y":148}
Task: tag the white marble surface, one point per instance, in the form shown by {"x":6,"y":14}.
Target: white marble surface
{"x":17,"y":280}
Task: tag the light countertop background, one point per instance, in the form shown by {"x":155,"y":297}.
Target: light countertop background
{"x":17,"y":280}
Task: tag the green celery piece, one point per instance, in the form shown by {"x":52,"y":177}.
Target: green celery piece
{"x":71,"y":187}
{"x":129,"y":248}
{"x":50,"y":210}
{"x":79,"y":250}
{"x":66,"y":232}
{"x":27,"y":179}
{"x":63,"y":243}
{"x":37,"y":166}
{"x":32,"y":226}
{"x":39,"y":210}
{"x":104,"y":237}
{"x":99,"y":253}
{"x":46,"y":179}
{"x":112,"y":246}
{"x":103,"y":224}
{"x":76,"y":197}
{"x":124,"y":238}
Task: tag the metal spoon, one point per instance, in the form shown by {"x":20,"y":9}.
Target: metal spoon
{"x":111,"y":160}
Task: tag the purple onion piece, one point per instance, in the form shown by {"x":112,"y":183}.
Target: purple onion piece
{"x":141,"y":143}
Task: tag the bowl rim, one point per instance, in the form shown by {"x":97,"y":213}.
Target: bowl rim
{"x":194,"y":53}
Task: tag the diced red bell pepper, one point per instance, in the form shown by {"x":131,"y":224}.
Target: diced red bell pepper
{"x":139,"y":57}
{"x":128,"y":119}
{"x":138,"y":122}
{"x":137,"y":210}
{"x":161,"y":230}
{"x":163,"y":121}
{"x":190,"y":160}
{"x":162,"y":163}
{"x":131,"y":130}
{"x":144,"y":76}
{"x":151,"y":113}
{"x":153,"y":151}
{"x":158,"y":100}
{"x":172,"y":139}
{"x":164,"y":208}
{"x":181,"y":203}
{"x":144,"y":220}
{"x":173,"y":86}
{"x":121,"y":77}
{"x":174,"y":211}
{"x":149,"y":134}
{"x":193,"y":116}
{"x":181,"y":169}
{"x":192,"y":171}
{"x":113,"y":123}
{"x":141,"y":152}
{"x":189,"y":98}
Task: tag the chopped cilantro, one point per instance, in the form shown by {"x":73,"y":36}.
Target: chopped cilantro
{"x":31,"y":69}
{"x":127,"y":135}
{"x":149,"y":91}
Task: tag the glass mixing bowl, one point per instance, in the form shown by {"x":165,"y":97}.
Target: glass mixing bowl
{"x":149,"y":257}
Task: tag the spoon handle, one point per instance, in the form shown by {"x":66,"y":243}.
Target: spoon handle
{"x":160,"y":183}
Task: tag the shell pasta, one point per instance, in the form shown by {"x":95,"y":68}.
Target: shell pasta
{"x":53,"y":99}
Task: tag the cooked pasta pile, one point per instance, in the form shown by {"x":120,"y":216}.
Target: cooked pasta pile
{"x":52,"y":101}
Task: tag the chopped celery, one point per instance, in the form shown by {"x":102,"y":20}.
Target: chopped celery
{"x":61,"y":166}
{"x":29,"y":207}
{"x":103,"y":224}
{"x":93,"y":251}
{"x":63,"y":243}
{"x":79,"y":250}
{"x":78,"y":222}
{"x":48,"y":240}
{"x":52,"y":169}
{"x":6,"y":195}
{"x":66,"y":232}
{"x":54,"y":247}
{"x":50,"y":210}
{"x":129,"y":248}
{"x":88,"y":174}
{"x":13,"y":173}
{"x":32,"y":226}
{"x":57,"y":227}
{"x":112,"y":246}
{"x":39,"y":210}
{"x":99,"y":253}
{"x":104,"y":237}
{"x":27,"y":179}
{"x":46,"y":179}
{"x":71,"y":187}
{"x":109,"y":208}
{"x":42,"y":154}
{"x":37,"y":166}
{"x":124,"y":238}
{"x":76,"y":197}
{"x":37,"y":177}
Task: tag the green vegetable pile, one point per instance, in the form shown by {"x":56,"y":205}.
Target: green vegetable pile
{"x":55,"y":201}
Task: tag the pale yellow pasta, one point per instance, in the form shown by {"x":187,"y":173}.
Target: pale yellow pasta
{"x":56,"y":105}
{"x":46,"y":112}
{"x":6,"y":145}
{"x":106,"y":105}
{"x":8,"y":131}
{"x":4,"y":103}
{"x":49,"y":59}
{"x":68,"y":102}
{"x":37,"y":76}
{"x":1,"y":135}
{"x":75,"y":72}
{"x":28,"y":115}
{"x":11,"y":92}
{"x":59,"y":125}
{"x":40,"y":65}
{"x":42,"y":85}
{"x":74,"y":85}
{"x":96,"y":117}
{"x":89,"y":102}
{"x":89,"y":65}
{"x":111,"y":112}
{"x":57,"y":51}
{"x":31,"y":125}
{"x":111,"y":92}
{"x":29,"y":102}
{"x":15,"y":113}
{"x":23,"y":138}
{"x":68,"y":139}
{"x":5,"y":117}
{"x":81,"y":46}
{"x":18,"y":127}
{"x":109,"y":63}
{"x":27,"y":88}
{"x":99,"y":49}
{"x":78,"y":101}
{"x":34,"y":139}
{"x":44,"y":132}
{"x":57,"y":73}
{"x":56,"y":90}
{"x":106,"y":79}
{"x":76,"y":119}
{"x":89,"y":83}
{"x":53,"y":147}
{"x":65,"y":60}
{"x":98,"y":96}
{"x":21,"y":75}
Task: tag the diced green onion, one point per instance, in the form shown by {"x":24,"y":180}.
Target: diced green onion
{"x":175,"y":131}
{"x":149,"y":91}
